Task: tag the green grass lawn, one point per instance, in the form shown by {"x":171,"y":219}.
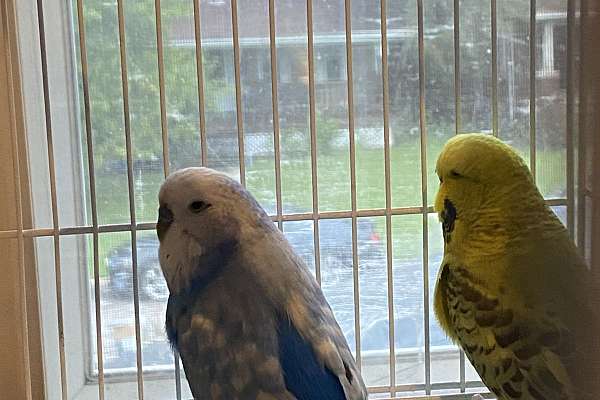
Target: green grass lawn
{"x":334,"y":190}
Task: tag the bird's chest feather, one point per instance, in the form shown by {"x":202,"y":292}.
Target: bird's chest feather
{"x":227,"y":342}
{"x":471,"y":305}
{"x":497,"y":346}
{"x":216,"y":315}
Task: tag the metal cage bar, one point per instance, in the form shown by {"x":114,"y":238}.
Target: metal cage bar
{"x":313,"y":136}
{"x":420,"y":387}
{"x":164,"y":128}
{"x":379,"y":212}
{"x":494,"y":39}
{"x":200,"y":81}
{"x":352,"y":145}
{"x":15,"y":146}
{"x":53,"y":199}
{"x":238,"y":90}
{"x":457,"y":79}
{"x":131,"y":195}
{"x":457,"y":130}
{"x":571,"y":123}
{"x":275,"y":105}
{"x":388,"y":194}
{"x":532,"y":88}
{"x":92,"y":188}
{"x":582,"y":208}
{"x":424,"y":196}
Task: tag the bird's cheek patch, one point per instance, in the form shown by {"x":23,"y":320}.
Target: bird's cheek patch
{"x":448,"y":216}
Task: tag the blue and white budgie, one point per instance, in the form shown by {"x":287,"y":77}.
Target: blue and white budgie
{"x":246,"y":316}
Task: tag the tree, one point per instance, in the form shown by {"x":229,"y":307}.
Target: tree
{"x":106,"y":95}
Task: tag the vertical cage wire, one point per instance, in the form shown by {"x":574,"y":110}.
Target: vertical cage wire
{"x":425,"y":214}
{"x":238,"y":89}
{"x":457,"y":80}
{"x":92,"y":189}
{"x":275,"y":105}
{"x":177,"y":376}
{"x":352,"y":144}
{"x":313,"y":136}
{"x":532,"y":88}
{"x":200,"y":81}
{"x":388,"y":194}
{"x":15,"y":145}
{"x":582,"y":209}
{"x":165,"y":144}
{"x":164,"y":128}
{"x":53,"y":200}
{"x":494,"y":26}
{"x":457,"y":130}
{"x":131,"y":194}
{"x":570,"y":135}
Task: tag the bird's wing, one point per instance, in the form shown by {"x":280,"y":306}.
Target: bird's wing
{"x":227,"y":340}
{"x":244,"y":360}
{"x":517,"y":352}
{"x":305,"y":377}
{"x":312,"y":317}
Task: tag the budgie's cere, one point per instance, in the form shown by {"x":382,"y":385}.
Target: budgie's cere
{"x":512,"y":289}
{"x":245,"y":314}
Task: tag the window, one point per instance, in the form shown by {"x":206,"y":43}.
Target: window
{"x":135,"y":93}
{"x":551,"y":43}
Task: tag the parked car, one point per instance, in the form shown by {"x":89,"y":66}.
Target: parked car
{"x":336,"y":244}
{"x":335,"y":253}
{"x":150,"y":279}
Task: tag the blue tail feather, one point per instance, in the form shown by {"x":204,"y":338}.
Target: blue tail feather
{"x":304,"y":377}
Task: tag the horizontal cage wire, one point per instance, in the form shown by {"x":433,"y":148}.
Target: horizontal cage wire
{"x":145,"y":226}
{"x":325,"y":55}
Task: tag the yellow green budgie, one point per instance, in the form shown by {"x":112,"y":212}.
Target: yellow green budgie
{"x":512,"y":290}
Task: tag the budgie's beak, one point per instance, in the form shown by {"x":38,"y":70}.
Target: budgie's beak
{"x":438,"y":204}
{"x":165,"y":219}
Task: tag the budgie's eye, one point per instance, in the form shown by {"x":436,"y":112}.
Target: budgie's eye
{"x":455,"y":174}
{"x":198,"y":206}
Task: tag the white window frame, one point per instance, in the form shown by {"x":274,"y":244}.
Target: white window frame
{"x":70,"y":182}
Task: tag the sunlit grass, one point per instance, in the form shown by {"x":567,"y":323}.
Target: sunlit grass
{"x":334,"y":194}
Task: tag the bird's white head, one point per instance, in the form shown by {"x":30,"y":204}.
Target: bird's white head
{"x":203,"y":215}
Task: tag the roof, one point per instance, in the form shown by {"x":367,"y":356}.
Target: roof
{"x":328,"y":22}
